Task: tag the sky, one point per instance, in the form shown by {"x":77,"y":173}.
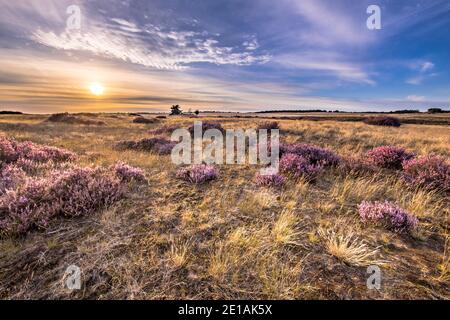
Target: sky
{"x":223,"y":55}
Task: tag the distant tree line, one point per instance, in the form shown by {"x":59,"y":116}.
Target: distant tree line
{"x":11,"y":112}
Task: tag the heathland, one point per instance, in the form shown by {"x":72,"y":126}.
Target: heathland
{"x":351,"y":195}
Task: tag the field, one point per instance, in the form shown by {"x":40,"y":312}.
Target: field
{"x":229,"y":238}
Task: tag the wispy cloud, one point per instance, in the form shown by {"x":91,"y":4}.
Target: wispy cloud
{"x":416,"y":98}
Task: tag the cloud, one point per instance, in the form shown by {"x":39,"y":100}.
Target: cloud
{"x":152,"y":47}
{"x":326,"y":64}
{"x":415,"y":80}
{"x":416,"y":98}
{"x":426,"y":66}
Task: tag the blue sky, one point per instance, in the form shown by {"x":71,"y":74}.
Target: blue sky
{"x":225,"y":55}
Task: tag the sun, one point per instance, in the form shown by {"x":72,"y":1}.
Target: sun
{"x":96,"y":89}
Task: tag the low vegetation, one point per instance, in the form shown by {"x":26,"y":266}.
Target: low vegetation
{"x":109,"y":200}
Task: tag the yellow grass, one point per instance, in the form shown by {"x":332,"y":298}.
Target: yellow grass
{"x":230,"y":239}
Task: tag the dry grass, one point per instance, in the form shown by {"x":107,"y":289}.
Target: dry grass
{"x":230,"y":239}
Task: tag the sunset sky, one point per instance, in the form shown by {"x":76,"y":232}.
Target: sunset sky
{"x":224,"y":55}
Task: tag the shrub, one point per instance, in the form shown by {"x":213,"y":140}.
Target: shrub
{"x":383,"y":121}
{"x":71,"y":119}
{"x":128,"y":173}
{"x":72,"y":192}
{"x":271,"y":180}
{"x":269,"y":126}
{"x":206,"y":125}
{"x":356,"y":165}
{"x":11,"y":177}
{"x":387,"y":214}
{"x":315,"y":155}
{"x":389,"y":157}
{"x":159,"y":145}
{"x":165,"y":129}
{"x":144,"y":120}
{"x":429,"y":172}
{"x":12,"y":151}
{"x":298,"y":166}
{"x":198,"y":173}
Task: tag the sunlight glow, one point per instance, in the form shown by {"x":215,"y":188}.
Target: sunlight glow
{"x":96,"y":89}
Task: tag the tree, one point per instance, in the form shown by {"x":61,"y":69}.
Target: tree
{"x":435,"y":110}
{"x":175,"y":110}
{"x":197,"y":112}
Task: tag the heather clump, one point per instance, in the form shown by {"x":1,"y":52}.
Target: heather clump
{"x":13,"y":151}
{"x":388,"y":215}
{"x":315,"y":155}
{"x":143,"y":120}
{"x":158,"y":145}
{"x":297,"y":166}
{"x":356,"y":165}
{"x":207,"y":125}
{"x":389,"y":157}
{"x":383,"y":121}
{"x":71,"y":192}
{"x":198,"y":173}
{"x":269,"y":180}
{"x":128,"y":173}
{"x":11,"y":176}
{"x":165,"y":129}
{"x":72,"y":119}
{"x":428,"y":172}
{"x":269,"y":125}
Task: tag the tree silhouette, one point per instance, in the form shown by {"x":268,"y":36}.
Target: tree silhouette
{"x":175,"y":110}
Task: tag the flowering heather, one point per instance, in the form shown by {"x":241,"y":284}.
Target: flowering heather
{"x":198,"y":173}
{"x":315,"y":155}
{"x":165,"y":129}
{"x":383,"y":121}
{"x":11,"y":177}
{"x":429,"y":172}
{"x":12,"y":150}
{"x":269,"y":180}
{"x":387,"y":214}
{"x":269,"y":125}
{"x":389,"y":157}
{"x":159,"y":145}
{"x":128,"y":173}
{"x":356,"y":165}
{"x":207,"y":125}
{"x":298,"y":166}
{"x":72,"y":192}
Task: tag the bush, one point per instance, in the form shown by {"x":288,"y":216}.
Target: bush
{"x":13,"y":151}
{"x":158,"y":145}
{"x":128,"y":173}
{"x":144,"y":120}
{"x":315,"y":155}
{"x":11,"y":177}
{"x":272,"y":180}
{"x":389,"y":157}
{"x":198,"y":174}
{"x":429,"y":172}
{"x":383,"y":121}
{"x":165,"y":129}
{"x":356,"y":165}
{"x":298,"y":166}
{"x":72,"y":192}
{"x":206,"y":125}
{"x":71,"y":119}
{"x":269,"y":126}
{"x":388,"y":215}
